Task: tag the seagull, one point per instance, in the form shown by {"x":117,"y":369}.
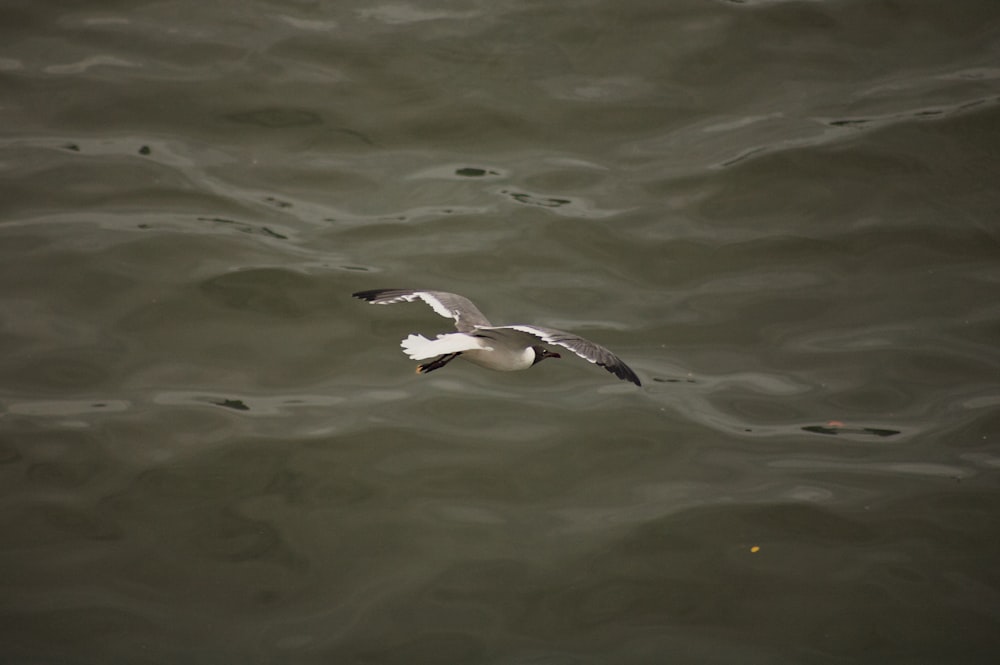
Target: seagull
{"x":504,"y":348}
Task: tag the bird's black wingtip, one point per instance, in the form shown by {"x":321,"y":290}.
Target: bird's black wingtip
{"x":371,"y":294}
{"x":623,"y":372}
{"x":632,"y":377}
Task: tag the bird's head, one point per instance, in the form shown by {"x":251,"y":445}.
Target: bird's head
{"x":541,"y":353}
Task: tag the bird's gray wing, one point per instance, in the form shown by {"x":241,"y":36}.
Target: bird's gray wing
{"x":584,"y":348}
{"x":449,"y":305}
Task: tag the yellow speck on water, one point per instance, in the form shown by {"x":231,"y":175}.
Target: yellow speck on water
{"x":755,"y":549}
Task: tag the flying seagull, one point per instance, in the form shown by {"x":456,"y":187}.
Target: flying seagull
{"x":504,"y":348}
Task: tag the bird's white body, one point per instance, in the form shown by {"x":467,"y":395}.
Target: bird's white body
{"x":502,"y":352}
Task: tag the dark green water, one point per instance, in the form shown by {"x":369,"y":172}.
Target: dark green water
{"x":782,"y":215}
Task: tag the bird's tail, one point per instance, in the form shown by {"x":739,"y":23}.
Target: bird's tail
{"x":418,"y":347}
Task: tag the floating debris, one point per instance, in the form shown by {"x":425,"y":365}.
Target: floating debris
{"x":473,"y":172}
{"x":237,"y":404}
{"x":838,"y":428}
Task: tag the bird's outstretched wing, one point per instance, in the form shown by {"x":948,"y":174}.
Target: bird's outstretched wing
{"x":584,"y":348}
{"x":449,"y":305}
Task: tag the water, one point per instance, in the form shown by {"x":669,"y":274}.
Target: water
{"x":783,"y":215}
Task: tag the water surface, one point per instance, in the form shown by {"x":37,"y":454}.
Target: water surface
{"x":782,"y":215}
